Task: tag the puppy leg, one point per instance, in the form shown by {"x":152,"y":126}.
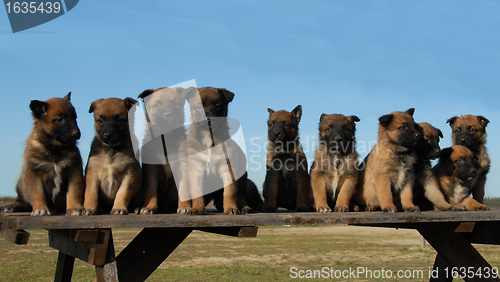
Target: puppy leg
{"x":36,"y":194}
{"x":473,"y":205}
{"x":195,"y":186}
{"x":230,"y":192}
{"x":271,"y":190}
{"x":92,"y":184}
{"x":74,"y":195}
{"x":150,"y":184}
{"x":303,"y":189}
{"x":124,"y":195}
{"x":407,"y":198}
{"x":433,"y":194}
{"x":455,"y":204}
{"x":384,"y":193}
{"x":318,"y":185}
{"x":346,"y":192}
{"x":478,"y":189}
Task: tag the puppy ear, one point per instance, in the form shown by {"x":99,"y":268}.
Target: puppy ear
{"x":129,"y":102}
{"x":271,"y":111}
{"x":483,"y":121}
{"x":39,"y":108}
{"x":385,"y":120}
{"x":410,"y":111}
{"x":68,"y":96}
{"x":354,"y":118}
{"x":446,"y":153}
{"x":228,"y":94}
{"x":297,"y":113}
{"x":189,"y":93}
{"x":321,"y":118}
{"x":92,"y":107}
{"x":440,"y":134}
{"x":146,"y":93}
{"x":452,"y":120}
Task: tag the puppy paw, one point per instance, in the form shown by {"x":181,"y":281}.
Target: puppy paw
{"x":247,"y":209}
{"x":482,"y":208}
{"x":355,"y":208}
{"x":324,"y":209}
{"x":341,"y":209}
{"x":74,"y":212}
{"x":196,"y":212}
{"x":89,"y":212}
{"x":40,"y":212}
{"x":303,"y":209}
{"x":392,"y":209}
{"x":118,"y":212}
{"x":183,"y":210}
{"x":370,"y":208}
{"x":231,"y":211}
{"x":412,"y":209}
{"x":147,"y":211}
{"x":454,"y":208}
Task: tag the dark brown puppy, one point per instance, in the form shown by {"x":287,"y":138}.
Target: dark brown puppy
{"x":113,"y":174}
{"x":52,"y":175}
{"x":470,"y":131}
{"x":334,"y":173}
{"x":387,"y":178}
{"x":455,"y":173}
{"x":287,"y":182}
{"x":427,"y":192}
{"x":165,"y":120}
{"x":215,"y":160}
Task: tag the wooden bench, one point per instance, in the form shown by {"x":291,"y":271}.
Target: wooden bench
{"x":90,"y":238}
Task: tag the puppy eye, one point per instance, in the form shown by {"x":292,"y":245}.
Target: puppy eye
{"x":99,"y":120}
{"x":121,"y":120}
{"x":458,"y":130}
{"x":472,"y":129}
{"x":427,"y":139}
{"x":460,"y":161}
{"x":217,"y":106}
{"x":328,"y":129}
{"x":270,"y":124}
{"x":403,"y":127}
{"x":287,"y":125}
{"x":59,"y":120}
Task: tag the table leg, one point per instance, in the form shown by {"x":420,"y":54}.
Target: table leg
{"x":64,"y":269}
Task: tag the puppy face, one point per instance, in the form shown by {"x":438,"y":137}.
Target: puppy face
{"x":400,"y":128}
{"x":337,"y":132}
{"x":111,"y":119}
{"x":469,"y":130}
{"x":283,"y":126}
{"x":56,"y":118}
{"x":164,"y":108}
{"x":458,"y":160}
{"x":429,"y":143}
{"x":212,"y":102}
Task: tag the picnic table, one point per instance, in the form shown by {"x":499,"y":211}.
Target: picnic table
{"x":90,"y":238}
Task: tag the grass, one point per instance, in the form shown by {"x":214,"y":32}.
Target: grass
{"x":268,"y":257}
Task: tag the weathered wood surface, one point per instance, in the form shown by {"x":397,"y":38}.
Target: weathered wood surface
{"x":25,"y":221}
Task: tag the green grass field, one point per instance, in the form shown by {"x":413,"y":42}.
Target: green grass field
{"x":268,"y":257}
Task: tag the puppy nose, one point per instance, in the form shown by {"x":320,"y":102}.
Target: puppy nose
{"x":417,"y":136}
{"x":473,"y":172}
{"x":337,"y":138}
{"x":275,"y":133}
{"x":106,"y":135}
{"x":438,"y":153}
{"x":76,"y":134}
{"x":461,"y":140}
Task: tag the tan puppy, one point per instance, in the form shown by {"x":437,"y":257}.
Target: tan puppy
{"x":215,"y":160}
{"x":287,"y":182}
{"x":165,"y":119}
{"x":455,"y":173}
{"x":52,"y":175}
{"x":427,"y":192}
{"x":387,"y":178}
{"x":334,"y":173}
{"x":470,"y":131}
{"x":113,"y":174}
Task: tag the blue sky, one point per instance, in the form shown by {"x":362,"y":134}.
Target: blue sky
{"x":364,"y":58}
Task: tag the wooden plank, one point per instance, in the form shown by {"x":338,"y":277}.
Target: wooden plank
{"x":259,"y":219}
{"x":237,"y":231}
{"x":438,"y":273}
{"x":108,"y":272}
{"x":147,"y":251}
{"x":64,"y":269}
{"x":456,"y":251}
{"x":91,"y":252}
{"x":465,"y":227}
{"x":485,"y":233}
{"x":16,"y":236}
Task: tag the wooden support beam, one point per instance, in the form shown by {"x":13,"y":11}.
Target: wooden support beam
{"x":147,"y":251}
{"x":16,"y":236}
{"x":64,"y":269}
{"x":456,"y":251}
{"x":237,"y":231}
{"x":78,"y":244}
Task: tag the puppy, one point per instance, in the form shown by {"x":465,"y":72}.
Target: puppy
{"x":455,"y":173}
{"x":113,"y":174}
{"x":334,"y":173}
{"x":165,"y":121}
{"x":470,"y":131}
{"x":287,"y":183}
{"x":215,"y":160}
{"x":52,"y":175}
{"x":427,"y":192}
{"x":387,"y":177}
